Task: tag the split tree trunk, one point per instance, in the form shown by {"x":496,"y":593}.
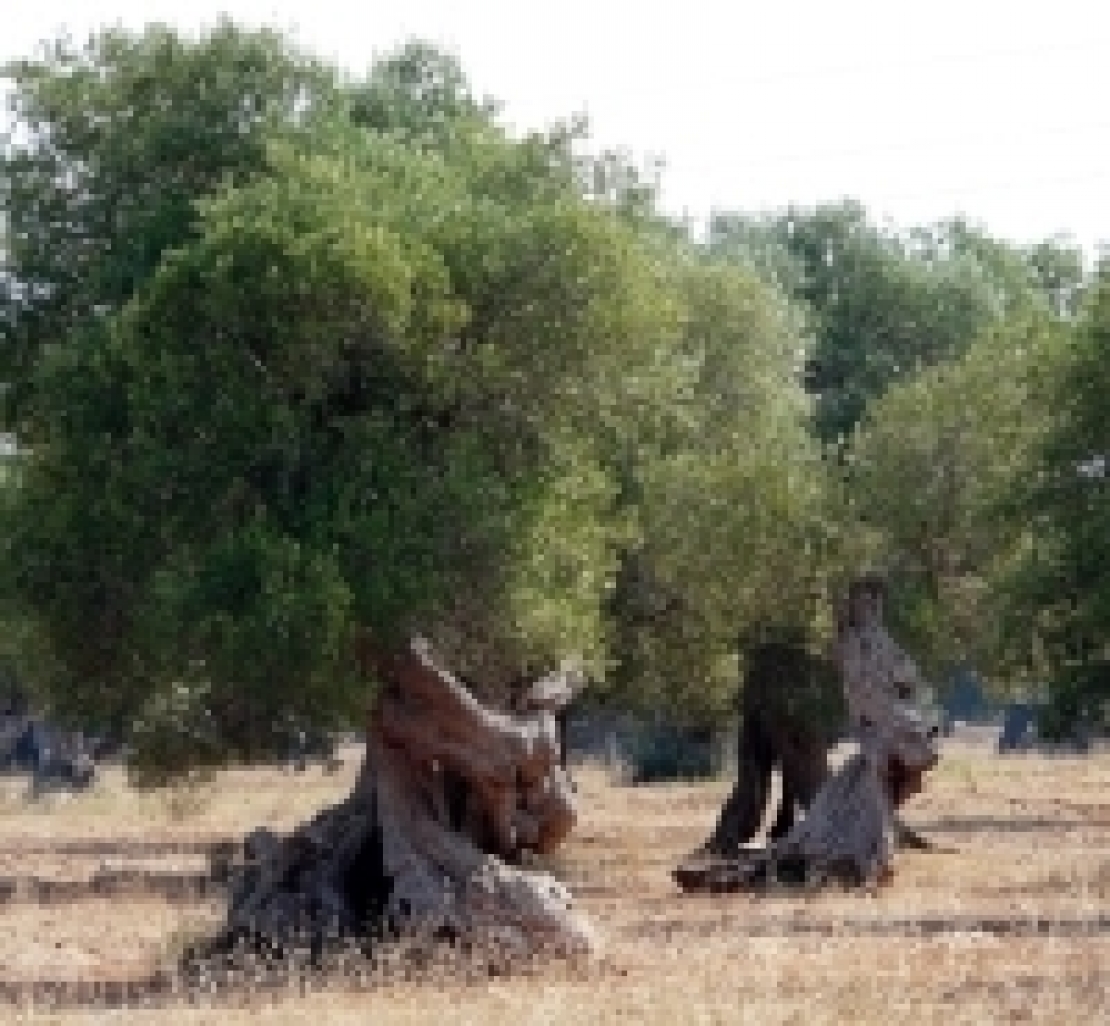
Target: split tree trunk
{"x":451,"y":795}
{"x":849,"y":831}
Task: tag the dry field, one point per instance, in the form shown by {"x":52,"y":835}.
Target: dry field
{"x":1014,"y":926}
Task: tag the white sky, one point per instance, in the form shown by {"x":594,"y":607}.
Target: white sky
{"x":920,"y":110}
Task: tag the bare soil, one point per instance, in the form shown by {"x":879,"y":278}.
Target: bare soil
{"x":1014,"y":926}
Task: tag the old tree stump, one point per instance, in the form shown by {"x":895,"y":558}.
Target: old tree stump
{"x":849,"y":832}
{"x":429,"y":842}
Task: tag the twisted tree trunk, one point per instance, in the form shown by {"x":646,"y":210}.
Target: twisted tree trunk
{"x":450,"y":797}
{"x":849,"y":831}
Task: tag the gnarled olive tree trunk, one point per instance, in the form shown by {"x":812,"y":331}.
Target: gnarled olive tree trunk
{"x":849,"y":829}
{"x":451,"y":795}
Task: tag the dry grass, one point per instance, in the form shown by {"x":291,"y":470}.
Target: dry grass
{"x":1034,"y":841}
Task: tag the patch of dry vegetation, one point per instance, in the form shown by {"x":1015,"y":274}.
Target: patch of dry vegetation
{"x":1033,"y":835}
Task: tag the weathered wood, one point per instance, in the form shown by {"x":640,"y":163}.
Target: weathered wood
{"x":849,"y":829}
{"x":451,"y":793}
{"x":512,"y":763}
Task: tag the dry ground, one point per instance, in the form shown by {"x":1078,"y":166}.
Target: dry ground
{"x":943,"y":943}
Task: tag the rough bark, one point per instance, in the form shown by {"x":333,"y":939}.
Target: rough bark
{"x":451,"y":796}
{"x":792,"y":713}
{"x":849,"y":831}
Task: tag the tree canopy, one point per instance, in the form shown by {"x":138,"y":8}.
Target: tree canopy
{"x":930,"y":470}
{"x":1055,"y":599}
{"x":297,"y":361}
{"x":936,"y":370}
{"x":378,"y":369}
{"x":886,"y":303}
{"x":115,"y":141}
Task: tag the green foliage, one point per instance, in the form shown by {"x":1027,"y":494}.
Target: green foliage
{"x":1059,"y":273}
{"x":929,"y":469}
{"x":729,"y":502}
{"x":886,"y":304}
{"x":117,"y":140}
{"x":934,"y":368}
{"x":421,"y":96}
{"x":382,"y":368}
{"x":1055,"y":586}
{"x":878,"y":313}
{"x":281,"y":436}
{"x":350,"y":358}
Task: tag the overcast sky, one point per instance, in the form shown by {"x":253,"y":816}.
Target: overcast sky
{"x":990,"y":108}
